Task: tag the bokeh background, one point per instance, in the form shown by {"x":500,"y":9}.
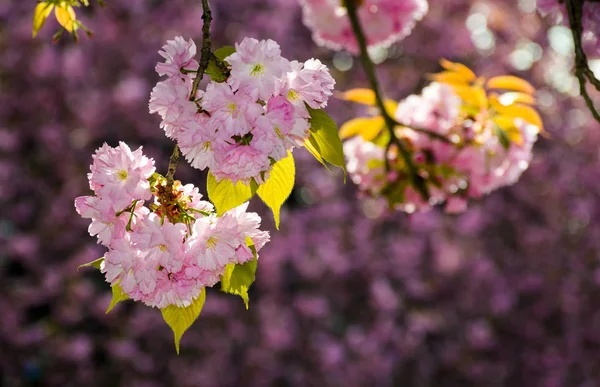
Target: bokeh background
{"x":507,"y":294}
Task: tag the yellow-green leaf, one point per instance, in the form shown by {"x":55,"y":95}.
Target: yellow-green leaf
{"x":367,"y":127}
{"x":362,"y":96}
{"x":65,"y":14}
{"x":225,"y":195}
{"x":278,"y":187}
{"x":518,"y":110}
{"x":325,"y":139}
{"x":459,"y":68}
{"x":180,"y":319}
{"x":516,"y":97}
{"x":95,"y":264}
{"x":510,"y":82}
{"x":237,"y":278}
{"x":472,"y":95}
{"x":42,"y":10}
{"x":118,"y":295}
{"x":449,"y":77}
{"x":224,"y":52}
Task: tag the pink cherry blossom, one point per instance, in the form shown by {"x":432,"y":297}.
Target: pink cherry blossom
{"x":310,"y":82}
{"x":178,"y":54}
{"x":384,"y":21}
{"x":121,"y":174}
{"x":256,"y":65}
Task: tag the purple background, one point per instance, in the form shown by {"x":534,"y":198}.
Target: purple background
{"x":506,"y":294}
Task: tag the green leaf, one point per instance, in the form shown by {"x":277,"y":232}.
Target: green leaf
{"x":180,"y":319}
{"x":213,"y":70}
{"x":118,"y":295}
{"x":502,"y":137}
{"x":237,"y":278}
{"x":95,"y":264}
{"x":225,"y":195}
{"x":42,"y":10}
{"x":324,"y":139}
{"x":224,"y":52}
{"x":278,"y":187}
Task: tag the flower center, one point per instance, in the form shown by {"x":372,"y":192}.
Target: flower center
{"x":162,"y":248}
{"x":293,"y":96}
{"x":231,"y":107}
{"x":279,"y":134}
{"x":258,"y":70}
{"x":122,"y":174}
{"x":211,"y":243}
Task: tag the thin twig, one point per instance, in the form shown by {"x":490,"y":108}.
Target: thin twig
{"x":582,"y":70}
{"x":369,"y":67}
{"x":205,"y":56}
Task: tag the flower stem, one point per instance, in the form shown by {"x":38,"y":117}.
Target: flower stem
{"x":369,"y":67}
{"x":582,"y":70}
{"x":205,"y":55}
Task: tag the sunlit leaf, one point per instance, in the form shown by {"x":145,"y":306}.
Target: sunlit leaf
{"x":118,"y":295}
{"x":472,"y":95}
{"x":516,"y":97}
{"x":518,"y":110}
{"x":65,"y":14}
{"x":362,"y":96}
{"x":42,"y":10}
{"x":95,"y":264}
{"x":325,"y":140}
{"x":508,"y":125}
{"x":225,"y":195}
{"x":510,"y":82}
{"x":278,"y":187}
{"x":237,"y":278}
{"x":449,"y":77}
{"x":462,"y":70}
{"x":367,"y":127}
{"x":180,"y":319}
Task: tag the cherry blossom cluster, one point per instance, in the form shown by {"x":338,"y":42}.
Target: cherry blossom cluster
{"x":590,"y":19}
{"x":239,"y":128}
{"x":384,"y":21}
{"x":166,"y":253}
{"x":473,"y":163}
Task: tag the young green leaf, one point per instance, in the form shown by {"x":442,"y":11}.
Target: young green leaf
{"x":237,"y":278}
{"x":118,"y":295}
{"x":42,"y":10}
{"x":224,"y":52}
{"x":278,"y":187}
{"x":180,"y":319}
{"x":95,"y":264}
{"x":213,"y":70}
{"x":324,"y":138}
{"x":225,"y":195}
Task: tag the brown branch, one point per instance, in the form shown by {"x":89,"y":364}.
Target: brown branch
{"x":582,"y":70}
{"x":205,"y":56}
{"x":369,"y":67}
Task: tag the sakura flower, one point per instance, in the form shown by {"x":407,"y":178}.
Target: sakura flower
{"x":121,"y":174}
{"x":384,"y":21}
{"x":233,"y":113}
{"x":365,"y":164}
{"x":239,"y":162}
{"x":256,"y":65}
{"x":214,"y":246}
{"x":310,"y":82}
{"x":170,"y":99}
{"x":178,"y":54}
{"x":289,"y":120}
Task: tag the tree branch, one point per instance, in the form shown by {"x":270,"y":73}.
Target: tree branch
{"x":582,"y":70}
{"x":205,"y":56}
{"x":369,"y":67}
